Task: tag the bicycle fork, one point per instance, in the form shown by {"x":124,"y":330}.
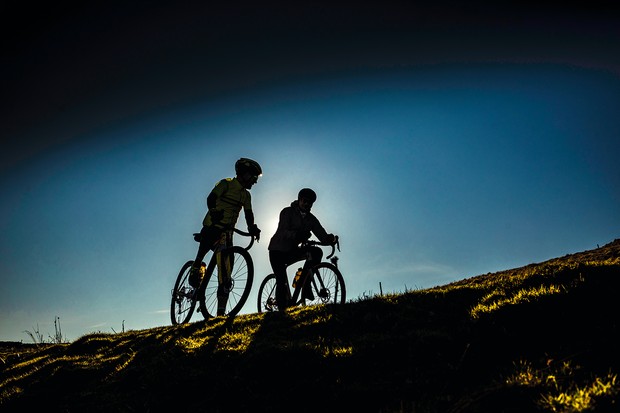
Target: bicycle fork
{"x":321,"y":290}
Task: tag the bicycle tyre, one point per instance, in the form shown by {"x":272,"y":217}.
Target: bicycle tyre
{"x":242,"y":278}
{"x":183,"y":301}
{"x":327,"y":285}
{"x":267,"y":295}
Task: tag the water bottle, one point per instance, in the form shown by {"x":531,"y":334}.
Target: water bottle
{"x":297,"y":277}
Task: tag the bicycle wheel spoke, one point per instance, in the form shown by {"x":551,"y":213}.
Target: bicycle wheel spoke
{"x":238,"y":284}
{"x":267,"y":295}
{"x":183,"y":297}
{"x":327,"y":285}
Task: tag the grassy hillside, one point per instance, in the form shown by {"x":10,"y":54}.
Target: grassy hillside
{"x":537,"y":338}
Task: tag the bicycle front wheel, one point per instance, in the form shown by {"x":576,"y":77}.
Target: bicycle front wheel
{"x":267,"y":295}
{"x":327,"y":285}
{"x":183,"y":297}
{"x":238,"y":286}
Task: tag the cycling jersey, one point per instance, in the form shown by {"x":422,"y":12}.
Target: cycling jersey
{"x":227,"y":197}
{"x":292,"y":225}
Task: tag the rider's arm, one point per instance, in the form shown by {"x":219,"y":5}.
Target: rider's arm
{"x":321,"y":234}
{"x":212,"y":199}
{"x":249,"y":217}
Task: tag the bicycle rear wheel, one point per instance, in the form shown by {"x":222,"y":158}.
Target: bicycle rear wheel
{"x":327,"y":285}
{"x":241,"y":278}
{"x":267,"y":295}
{"x":183,"y":297}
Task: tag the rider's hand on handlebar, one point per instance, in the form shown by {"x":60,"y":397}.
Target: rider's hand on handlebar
{"x":254,"y":231}
{"x":333,"y":239}
{"x":336,"y":243}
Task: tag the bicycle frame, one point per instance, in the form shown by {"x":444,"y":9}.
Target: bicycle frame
{"x":327,"y":285}
{"x":225,"y":242}
{"x":296,"y":298}
{"x":225,"y":264}
{"x":232,"y":263}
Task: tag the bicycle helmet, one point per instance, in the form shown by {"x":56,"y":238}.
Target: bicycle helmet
{"x":308,"y":194}
{"x":244,"y":165}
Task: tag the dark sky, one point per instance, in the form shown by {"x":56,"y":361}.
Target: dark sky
{"x":70,"y":68}
{"x":446,"y":139}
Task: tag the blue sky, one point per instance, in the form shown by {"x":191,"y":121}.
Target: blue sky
{"x":429,"y":173}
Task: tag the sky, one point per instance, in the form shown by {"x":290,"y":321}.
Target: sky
{"x":444,"y":140}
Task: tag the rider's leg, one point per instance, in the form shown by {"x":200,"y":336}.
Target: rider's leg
{"x":315,"y":256}
{"x":208,"y":236}
{"x":224,"y":272}
{"x":278,"y":261}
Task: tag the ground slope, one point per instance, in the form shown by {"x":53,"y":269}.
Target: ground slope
{"x":536,"y":338}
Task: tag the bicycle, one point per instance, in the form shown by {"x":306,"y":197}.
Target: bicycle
{"x":227,"y":278}
{"x":327,"y":284}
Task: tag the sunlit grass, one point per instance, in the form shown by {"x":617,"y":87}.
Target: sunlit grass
{"x":561,"y":389}
{"x":525,"y":375}
{"x":191,"y":344}
{"x":310,"y":315}
{"x":9,"y":391}
{"x":582,"y":398}
{"x":237,"y":340}
{"x":122,"y":362}
{"x":498,"y":299}
{"x":331,"y":348}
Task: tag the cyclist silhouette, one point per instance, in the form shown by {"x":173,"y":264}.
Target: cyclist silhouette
{"x":286,"y":246}
{"x":224,"y":205}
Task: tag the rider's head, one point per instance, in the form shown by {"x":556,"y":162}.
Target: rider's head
{"x":248,"y":171}
{"x":306,"y":198}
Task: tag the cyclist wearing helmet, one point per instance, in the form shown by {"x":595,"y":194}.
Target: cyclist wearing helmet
{"x":224,"y":205}
{"x":295,"y":227}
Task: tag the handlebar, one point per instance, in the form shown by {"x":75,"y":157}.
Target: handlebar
{"x":246,"y":234}
{"x":238,"y":231}
{"x":334,"y":245}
